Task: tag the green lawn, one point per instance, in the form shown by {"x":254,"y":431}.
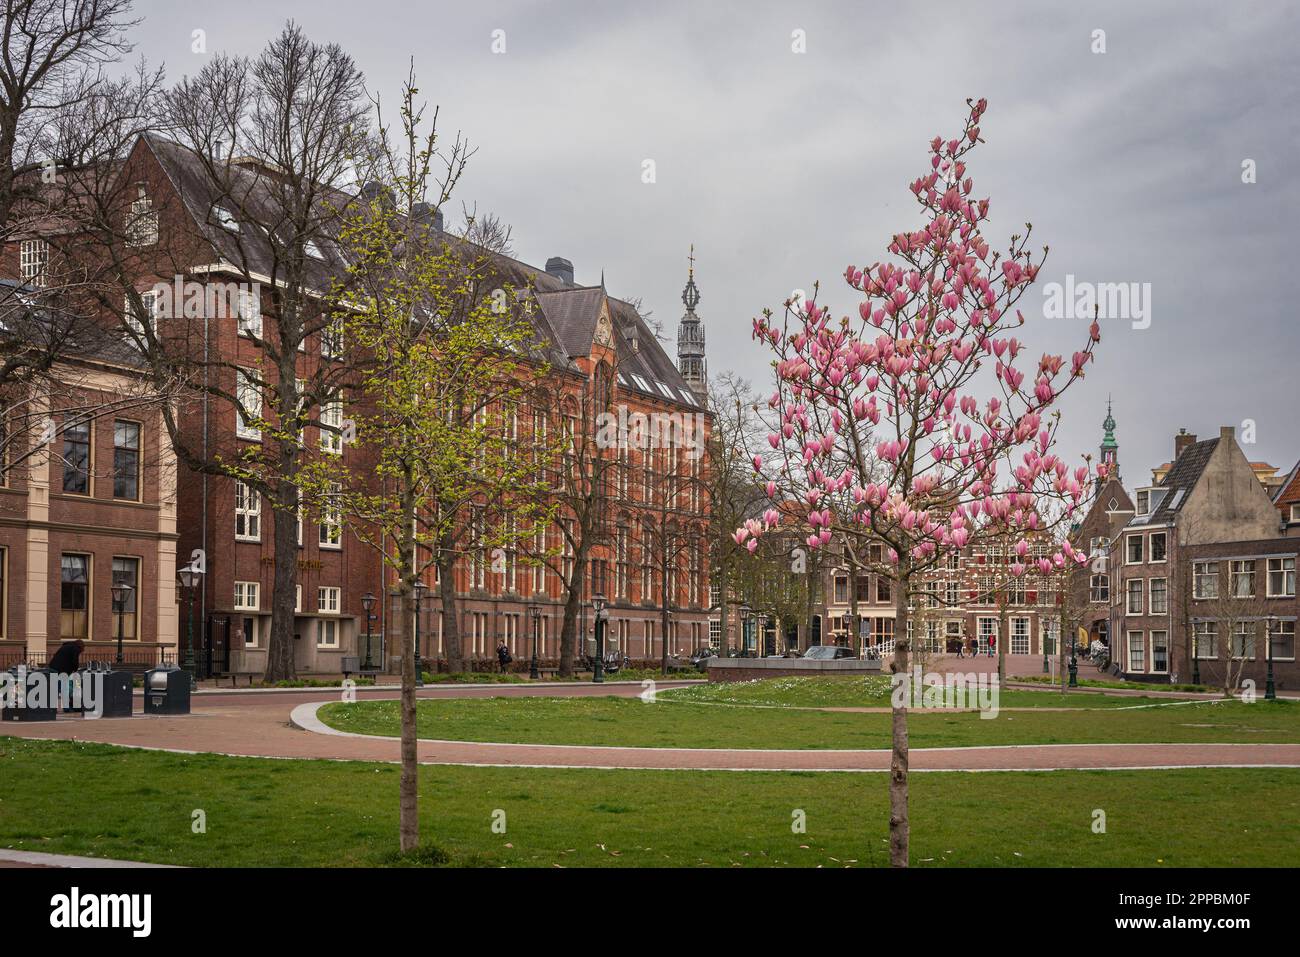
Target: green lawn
{"x":780,"y":713}
{"x":111,"y":802}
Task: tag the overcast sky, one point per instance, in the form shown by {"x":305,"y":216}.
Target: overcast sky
{"x":783,"y":167}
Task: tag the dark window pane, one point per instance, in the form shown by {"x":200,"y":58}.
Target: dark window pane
{"x":126,"y":460}
{"x":76,"y":458}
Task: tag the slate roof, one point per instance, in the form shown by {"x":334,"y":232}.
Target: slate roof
{"x":1179,"y":482}
{"x":565,"y":322}
{"x":78,"y":337}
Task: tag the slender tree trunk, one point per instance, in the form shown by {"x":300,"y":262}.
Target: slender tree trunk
{"x":408,"y":807}
{"x":724,"y":604}
{"x":409,"y":783}
{"x":1004,"y":635}
{"x":279,"y":648}
{"x":899,"y":826}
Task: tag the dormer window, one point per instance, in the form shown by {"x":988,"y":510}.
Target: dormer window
{"x":1144,"y":502}
{"x":1295,"y":511}
{"x":225,"y":218}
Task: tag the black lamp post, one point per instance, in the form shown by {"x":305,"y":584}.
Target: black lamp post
{"x":419,"y":590}
{"x":534,"y":613}
{"x":744,"y":628}
{"x":598,"y":606}
{"x":368,"y":605}
{"x":1074,"y":663}
{"x":190,"y":577}
{"x":122,"y":593}
{"x":1270,"y":693}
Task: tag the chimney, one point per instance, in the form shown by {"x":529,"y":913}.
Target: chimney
{"x":426,"y":215}
{"x":1181,"y":441}
{"x":1227,"y":433}
{"x":630,"y":334}
{"x":373,"y":193}
{"x":561,"y":269}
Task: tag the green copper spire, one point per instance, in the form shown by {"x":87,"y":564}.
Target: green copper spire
{"x":1108,"y":441}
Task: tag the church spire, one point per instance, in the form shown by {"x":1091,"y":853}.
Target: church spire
{"x":1109,"y":447}
{"x":690,"y":336}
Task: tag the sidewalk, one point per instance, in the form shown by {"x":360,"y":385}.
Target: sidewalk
{"x":12,"y":859}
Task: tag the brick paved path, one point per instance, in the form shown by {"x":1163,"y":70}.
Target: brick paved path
{"x":258,"y":725}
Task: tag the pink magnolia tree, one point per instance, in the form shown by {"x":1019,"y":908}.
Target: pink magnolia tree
{"x":918,"y":424}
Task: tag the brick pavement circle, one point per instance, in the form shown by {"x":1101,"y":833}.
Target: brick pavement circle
{"x":263,"y":725}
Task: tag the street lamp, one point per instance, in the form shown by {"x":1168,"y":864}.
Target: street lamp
{"x":419,"y":590}
{"x":535,"y":613}
{"x":190,"y":577}
{"x":1270,"y":694}
{"x":122,"y":593}
{"x":368,"y":605}
{"x":598,"y":606}
{"x":745,"y":611}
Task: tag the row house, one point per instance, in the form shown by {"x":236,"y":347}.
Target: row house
{"x":1204,"y":573}
{"x":88,"y":503}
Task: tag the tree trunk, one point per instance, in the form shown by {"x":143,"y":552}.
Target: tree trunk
{"x":724,"y":605}
{"x":279,"y":647}
{"x":450,"y":620}
{"x":408,"y":785}
{"x":1004,"y":635}
{"x":569,"y":630}
{"x":899,"y":827}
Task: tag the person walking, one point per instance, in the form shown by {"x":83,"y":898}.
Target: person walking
{"x":503,"y":655}
{"x":993,"y":643}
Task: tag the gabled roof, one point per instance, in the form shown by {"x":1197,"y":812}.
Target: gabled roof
{"x":1289,"y":490}
{"x":1179,"y":482}
{"x":565,"y":322}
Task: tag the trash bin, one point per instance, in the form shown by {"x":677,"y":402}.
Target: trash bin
{"x":114,"y":693}
{"x":167,"y":690}
{"x":24,"y":684}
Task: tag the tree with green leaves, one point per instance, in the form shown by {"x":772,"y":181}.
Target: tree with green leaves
{"x":440,"y":367}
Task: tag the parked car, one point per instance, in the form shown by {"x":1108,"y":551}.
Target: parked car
{"x":829,"y":652}
{"x":701,"y":658}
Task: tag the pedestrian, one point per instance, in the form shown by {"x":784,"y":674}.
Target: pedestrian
{"x":503,"y":655}
{"x":68,"y":657}
{"x":993,"y":643}
{"x":961,"y":649}
{"x":65,"y":661}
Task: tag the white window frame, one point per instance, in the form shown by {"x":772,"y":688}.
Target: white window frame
{"x":1140,"y":649}
{"x":246,"y":390}
{"x":331,"y":419}
{"x":1151,"y":596}
{"x":248,"y":596}
{"x":1281,"y":623}
{"x":330,"y":528}
{"x":1129,"y":595}
{"x":1151,"y":548}
{"x":250,"y":511}
{"x":1154,"y":669}
{"x":1128,"y":549}
{"x":329,"y":600}
{"x":250,"y":312}
{"x":1288,"y":577}
{"x":1202,"y":574}
{"x":327,"y":632}
{"x":34,"y":262}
